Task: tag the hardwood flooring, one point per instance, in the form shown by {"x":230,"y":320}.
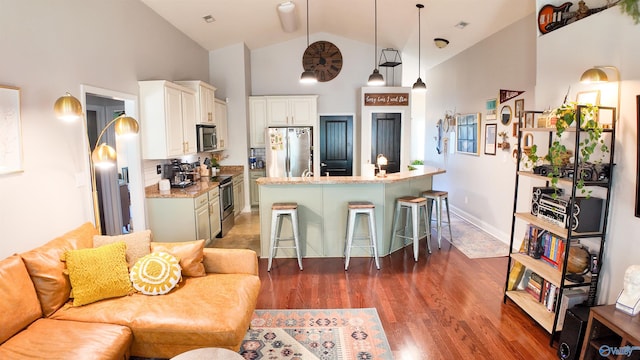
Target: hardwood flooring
{"x":445,"y":306}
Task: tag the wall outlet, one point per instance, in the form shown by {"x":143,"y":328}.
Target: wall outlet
{"x":158,"y":169}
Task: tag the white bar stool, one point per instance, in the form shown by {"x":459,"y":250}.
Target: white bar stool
{"x":363,"y":208}
{"x":413,"y":205}
{"x":278,"y":211}
{"x":436,"y":196}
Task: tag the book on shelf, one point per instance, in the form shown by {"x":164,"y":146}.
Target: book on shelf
{"x":535,"y":286}
{"x":544,"y":245}
{"x":536,"y":245}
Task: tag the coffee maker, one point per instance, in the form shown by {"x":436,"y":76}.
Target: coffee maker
{"x":178,"y":174}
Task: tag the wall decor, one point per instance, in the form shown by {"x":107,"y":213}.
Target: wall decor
{"x":551,"y":17}
{"x":515,"y":124}
{"x":509,"y":94}
{"x":490,"y":137}
{"x":468,"y":130}
{"x":10,"y":130}
{"x":519,"y":105}
{"x":638,"y":158}
{"x":386,"y":99}
{"x":505,"y":115}
{"x":491,"y":108}
{"x":528,"y":121}
{"x":588,"y":97}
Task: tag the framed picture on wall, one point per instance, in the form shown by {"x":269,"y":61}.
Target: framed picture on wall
{"x":10,"y":130}
{"x":490,"y":138}
{"x":519,"y":105}
{"x":468,"y":131}
{"x":588,"y":97}
{"x":492,"y":109}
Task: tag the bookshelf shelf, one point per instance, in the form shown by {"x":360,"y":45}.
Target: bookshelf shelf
{"x":551,"y":241}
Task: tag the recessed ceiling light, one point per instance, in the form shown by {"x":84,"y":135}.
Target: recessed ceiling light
{"x":461,"y":25}
{"x":209,"y":19}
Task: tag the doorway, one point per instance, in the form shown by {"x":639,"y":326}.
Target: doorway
{"x":386,"y":130}
{"x":336,"y":145}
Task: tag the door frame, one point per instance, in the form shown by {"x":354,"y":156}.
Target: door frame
{"x":355,"y":141}
{"x":134,"y":155}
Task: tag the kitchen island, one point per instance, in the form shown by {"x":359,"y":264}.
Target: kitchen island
{"x":322,"y":208}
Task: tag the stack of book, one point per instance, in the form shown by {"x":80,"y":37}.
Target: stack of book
{"x":542,"y":291}
{"x":541,"y":244}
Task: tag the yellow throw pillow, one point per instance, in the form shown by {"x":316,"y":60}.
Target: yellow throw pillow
{"x":137,"y":244}
{"x":156,"y":273}
{"x":98,"y":273}
{"x":190,"y":254}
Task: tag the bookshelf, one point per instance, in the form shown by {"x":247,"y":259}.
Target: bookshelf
{"x":545,"y":308}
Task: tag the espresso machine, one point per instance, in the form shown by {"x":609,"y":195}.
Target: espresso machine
{"x":180,"y":175}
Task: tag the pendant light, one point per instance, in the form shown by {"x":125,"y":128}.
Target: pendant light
{"x":308,"y":76}
{"x":375,"y":79}
{"x":419,"y":85}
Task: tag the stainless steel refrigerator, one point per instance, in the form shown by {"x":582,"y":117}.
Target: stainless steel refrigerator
{"x":289,"y":151}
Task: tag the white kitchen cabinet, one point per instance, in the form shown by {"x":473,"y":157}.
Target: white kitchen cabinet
{"x":221,"y":123}
{"x":292,"y":110}
{"x":168,"y":117}
{"x":203,"y":224}
{"x":258,"y":121}
{"x":214,"y":212}
{"x":238,"y":194}
{"x":205,"y":100}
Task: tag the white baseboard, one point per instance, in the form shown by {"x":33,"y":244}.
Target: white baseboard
{"x":493,"y":231}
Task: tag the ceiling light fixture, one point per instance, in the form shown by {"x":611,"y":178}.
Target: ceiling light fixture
{"x":308,"y":76}
{"x":441,"y":43}
{"x":208,"y":19}
{"x":419,"y":85}
{"x":287,"y":15}
{"x":375,"y":79}
{"x":461,"y":25}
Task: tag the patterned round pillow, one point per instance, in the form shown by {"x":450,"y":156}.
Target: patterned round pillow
{"x":156,"y":273}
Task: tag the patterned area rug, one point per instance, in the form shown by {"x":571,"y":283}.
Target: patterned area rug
{"x":473,"y":241}
{"x":331,"y":334}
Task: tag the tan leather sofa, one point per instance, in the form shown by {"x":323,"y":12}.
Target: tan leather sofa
{"x":39,"y":322}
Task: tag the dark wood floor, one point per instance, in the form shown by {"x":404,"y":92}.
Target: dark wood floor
{"x":445,"y":306}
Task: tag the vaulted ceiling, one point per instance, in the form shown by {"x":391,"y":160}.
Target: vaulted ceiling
{"x":256,"y":22}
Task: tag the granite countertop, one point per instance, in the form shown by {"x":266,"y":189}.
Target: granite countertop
{"x":322,"y":180}
{"x":199,"y":188}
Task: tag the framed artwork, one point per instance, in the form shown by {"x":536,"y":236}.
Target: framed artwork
{"x":588,"y":97}
{"x":10,"y":130}
{"x":505,"y":115}
{"x":490,"y":138}
{"x":519,"y":105}
{"x":528,"y":121}
{"x":638,"y":158}
{"x":491,"y":108}
{"x":515,"y":124}
{"x":468,"y":130}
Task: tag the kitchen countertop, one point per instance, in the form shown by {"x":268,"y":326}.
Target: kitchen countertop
{"x":199,"y":188}
{"x":321,"y":180}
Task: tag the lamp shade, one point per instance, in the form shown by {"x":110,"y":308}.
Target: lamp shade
{"x":375,"y":79}
{"x":308,"y":77}
{"x":126,"y":126}
{"x":287,"y":14}
{"x":381,"y":160}
{"x":104,"y":156}
{"x":594,"y":75}
{"x":419,"y":86}
{"x":67,"y":108}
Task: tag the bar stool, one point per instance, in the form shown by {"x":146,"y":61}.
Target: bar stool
{"x":363,"y":208}
{"x":278,"y":211}
{"x":411,"y":204}
{"x":436,"y":196}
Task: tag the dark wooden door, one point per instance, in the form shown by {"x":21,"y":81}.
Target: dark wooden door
{"x":385,"y":139}
{"x":336,"y":145}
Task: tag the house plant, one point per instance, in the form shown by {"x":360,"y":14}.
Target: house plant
{"x":416,"y":165}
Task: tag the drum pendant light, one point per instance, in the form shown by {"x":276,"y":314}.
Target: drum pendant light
{"x":308,"y":76}
{"x":419,"y":85}
{"x":375,"y":79}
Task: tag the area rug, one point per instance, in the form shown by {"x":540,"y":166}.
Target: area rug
{"x":328,"y":334}
{"x":473,"y":241}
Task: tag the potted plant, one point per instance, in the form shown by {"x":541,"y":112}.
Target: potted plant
{"x":416,"y":165}
{"x":559,"y":155}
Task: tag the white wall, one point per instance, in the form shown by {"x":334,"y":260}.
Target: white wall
{"x":52,"y":47}
{"x":481,"y":187}
{"x":606,"y":38}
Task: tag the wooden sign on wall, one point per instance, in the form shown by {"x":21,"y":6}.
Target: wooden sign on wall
{"x":386,"y":99}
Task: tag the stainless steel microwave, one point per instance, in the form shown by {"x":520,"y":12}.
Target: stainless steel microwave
{"x":207,"y":139}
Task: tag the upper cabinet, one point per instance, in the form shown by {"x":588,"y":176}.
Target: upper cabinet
{"x":258,"y":116}
{"x":221,"y":123}
{"x":205,"y":100}
{"x":292,"y":110}
{"x":168,"y":118}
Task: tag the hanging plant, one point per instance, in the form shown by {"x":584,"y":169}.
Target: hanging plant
{"x":558,"y":155}
{"x":630,"y":7}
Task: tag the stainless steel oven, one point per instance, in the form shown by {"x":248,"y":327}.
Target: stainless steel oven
{"x":226,"y":203}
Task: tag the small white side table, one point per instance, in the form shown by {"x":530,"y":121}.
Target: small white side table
{"x":209,"y":353}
